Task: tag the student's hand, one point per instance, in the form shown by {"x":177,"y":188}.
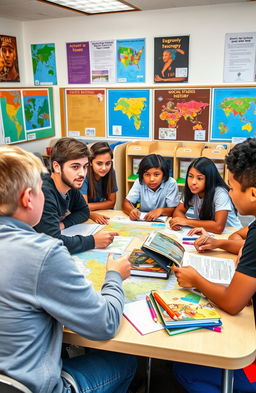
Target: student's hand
{"x":104,"y":239}
{"x":186,"y":276}
{"x":153,"y":214}
{"x":134,"y":214}
{"x":99,"y":218}
{"x":206,"y":242}
{"x":120,"y":265}
{"x":177,"y":222}
{"x":238,"y":256}
{"x":197,"y":231}
{"x":62,"y":226}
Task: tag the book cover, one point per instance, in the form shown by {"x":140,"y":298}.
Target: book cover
{"x":144,"y":266}
{"x":183,"y":308}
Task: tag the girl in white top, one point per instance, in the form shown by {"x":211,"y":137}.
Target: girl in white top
{"x":155,"y":191}
{"x":207,"y":193}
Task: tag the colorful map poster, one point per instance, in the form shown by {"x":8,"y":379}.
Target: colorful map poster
{"x":171,"y":59}
{"x":85,"y":112}
{"x":130,"y":60}
{"x":26,"y":114}
{"x":181,"y":114}
{"x":78,"y":62}
{"x":128,"y":112}
{"x":44,"y":64}
{"x":234,"y":113}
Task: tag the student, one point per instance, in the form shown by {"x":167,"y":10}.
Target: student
{"x":64,"y":204}
{"x":41,"y":290}
{"x":206,"y":242}
{"x":155,"y":191}
{"x":241,"y":163}
{"x":207,"y":193}
{"x":99,"y":188}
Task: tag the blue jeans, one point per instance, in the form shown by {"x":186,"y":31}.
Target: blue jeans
{"x":102,"y":371}
{"x":202,"y":379}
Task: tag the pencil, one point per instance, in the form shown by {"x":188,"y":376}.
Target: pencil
{"x":151,"y":309}
{"x":165,"y":306}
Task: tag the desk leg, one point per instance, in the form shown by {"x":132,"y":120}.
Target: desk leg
{"x":227,"y":381}
{"x":148,"y":375}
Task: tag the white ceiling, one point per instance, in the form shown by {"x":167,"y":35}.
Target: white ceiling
{"x":25,"y":10}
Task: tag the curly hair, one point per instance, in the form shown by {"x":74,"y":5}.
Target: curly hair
{"x":241,"y":162}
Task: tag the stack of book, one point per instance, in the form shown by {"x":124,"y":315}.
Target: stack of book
{"x":181,"y":308}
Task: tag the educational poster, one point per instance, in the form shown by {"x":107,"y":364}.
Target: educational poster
{"x":240,"y":57}
{"x":128,"y":112}
{"x":9,"y":67}
{"x":233,"y":114}
{"x":26,"y":114}
{"x":171,"y":59}
{"x":85,"y":112}
{"x":181,"y":114}
{"x":78,"y":62}
{"x":103,"y":61}
{"x":44,"y":64}
{"x":130,"y":60}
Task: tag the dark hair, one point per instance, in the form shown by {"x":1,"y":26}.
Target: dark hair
{"x":241,"y":162}
{"x":108,"y":180}
{"x":66,"y":149}
{"x":153,"y":161}
{"x":212,"y":180}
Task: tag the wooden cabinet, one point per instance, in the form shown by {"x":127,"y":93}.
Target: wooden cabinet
{"x":217,"y":152}
{"x":186,"y":152}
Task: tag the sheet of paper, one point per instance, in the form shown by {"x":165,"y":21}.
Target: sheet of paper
{"x":139,"y":316}
{"x":82,"y":229}
{"x":118,"y":246}
{"x":127,"y":220}
{"x":218,"y":270}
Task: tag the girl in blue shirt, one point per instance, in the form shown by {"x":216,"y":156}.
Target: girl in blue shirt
{"x":207,"y":193}
{"x":99,"y":188}
{"x":156,"y":192}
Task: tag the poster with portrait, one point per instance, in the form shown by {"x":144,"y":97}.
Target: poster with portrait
{"x":9,"y":68}
{"x":171,"y":59}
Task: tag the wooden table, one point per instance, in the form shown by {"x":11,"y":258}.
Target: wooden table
{"x":231,"y":349}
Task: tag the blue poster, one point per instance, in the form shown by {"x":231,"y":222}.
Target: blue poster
{"x":234,"y":113}
{"x":44,"y":64}
{"x":128,"y":113}
{"x":130,"y":60}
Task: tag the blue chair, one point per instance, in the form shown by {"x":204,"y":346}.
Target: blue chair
{"x":10,"y":385}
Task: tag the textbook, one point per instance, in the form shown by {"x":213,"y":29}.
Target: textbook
{"x":167,"y":251}
{"x":180,"y":308}
{"x":144,"y":266}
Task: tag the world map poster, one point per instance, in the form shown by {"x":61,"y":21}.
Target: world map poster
{"x":25,"y":114}
{"x":128,"y":112}
{"x":130,"y":60}
{"x":44,"y":64}
{"x":181,"y":114}
{"x":233,"y":113}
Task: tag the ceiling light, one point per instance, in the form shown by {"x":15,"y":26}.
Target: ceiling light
{"x":93,"y":6}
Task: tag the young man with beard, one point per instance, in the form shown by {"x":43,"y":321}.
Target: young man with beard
{"x":64,"y":204}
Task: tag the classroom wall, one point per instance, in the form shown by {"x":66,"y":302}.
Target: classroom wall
{"x":206,"y":25}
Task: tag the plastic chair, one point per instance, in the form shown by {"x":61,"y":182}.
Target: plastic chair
{"x":10,"y":385}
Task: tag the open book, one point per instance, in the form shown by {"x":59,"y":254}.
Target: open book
{"x":144,"y":266}
{"x":166,"y":251}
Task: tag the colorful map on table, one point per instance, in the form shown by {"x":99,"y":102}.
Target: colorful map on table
{"x":92,"y":265}
{"x":182,"y":114}
{"x":138,"y":231}
{"x":131,"y":60}
{"x":234,"y":113}
{"x":44,"y":64}
{"x":129,"y":113}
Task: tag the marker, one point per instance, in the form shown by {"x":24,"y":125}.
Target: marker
{"x":151,"y":309}
{"x":165,"y":306}
{"x":214,"y":328}
{"x":189,"y":243}
{"x":189,"y":238}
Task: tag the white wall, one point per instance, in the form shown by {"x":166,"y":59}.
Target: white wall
{"x":206,"y":26}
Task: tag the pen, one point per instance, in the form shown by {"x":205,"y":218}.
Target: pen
{"x":189,"y":243}
{"x":189,"y":238}
{"x":214,"y":328}
{"x":165,"y":306}
{"x":151,"y":309}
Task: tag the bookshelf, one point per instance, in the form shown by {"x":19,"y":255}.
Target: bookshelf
{"x":217,"y":152}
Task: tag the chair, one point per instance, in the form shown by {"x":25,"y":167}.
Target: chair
{"x":10,"y":385}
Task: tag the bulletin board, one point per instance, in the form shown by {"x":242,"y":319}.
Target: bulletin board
{"x":26,"y":114}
